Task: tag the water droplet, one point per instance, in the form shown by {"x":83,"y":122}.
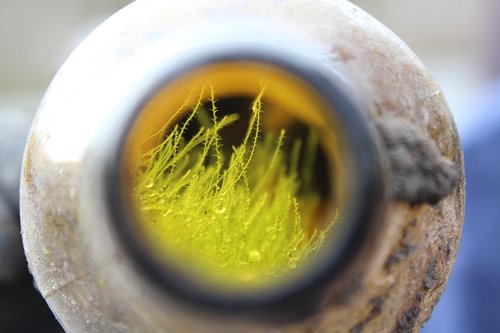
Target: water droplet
{"x":292,"y":262}
{"x":220,"y":209}
{"x":265,"y":245}
{"x":167,"y":212}
{"x":254,"y":256}
{"x":150,"y":185}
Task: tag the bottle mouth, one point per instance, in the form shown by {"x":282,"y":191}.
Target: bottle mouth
{"x":244,"y":180}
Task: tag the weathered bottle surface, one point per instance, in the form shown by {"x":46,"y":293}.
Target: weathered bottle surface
{"x":249,"y":166}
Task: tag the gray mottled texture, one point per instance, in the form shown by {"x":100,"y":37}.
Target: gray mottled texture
{"x":420,"y":174}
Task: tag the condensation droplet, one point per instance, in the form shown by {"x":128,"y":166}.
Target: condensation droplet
{"x":220,"y":209}
{"x":150,"y":185}
{"x":265,"y":245}
{"x":254,"y":256}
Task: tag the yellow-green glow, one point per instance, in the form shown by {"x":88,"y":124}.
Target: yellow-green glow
{"x":234,"y":217}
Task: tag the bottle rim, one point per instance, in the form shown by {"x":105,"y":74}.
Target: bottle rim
{"x":301,"y":298}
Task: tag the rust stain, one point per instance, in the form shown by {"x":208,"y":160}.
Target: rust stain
{"x":341,"y":54}
{"x":31,"y":147}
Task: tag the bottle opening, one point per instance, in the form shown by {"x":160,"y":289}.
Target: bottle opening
{"x":238,"y":179}
{"x":233,"y":176}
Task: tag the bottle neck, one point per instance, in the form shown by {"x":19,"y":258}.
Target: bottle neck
{"x":273,"y":129}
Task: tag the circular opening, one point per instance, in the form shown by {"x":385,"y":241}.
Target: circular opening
{"x":241,"y":181}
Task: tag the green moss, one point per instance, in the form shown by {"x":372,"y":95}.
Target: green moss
{"x":235,"y":218}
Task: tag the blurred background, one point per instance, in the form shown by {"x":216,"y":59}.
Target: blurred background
{"x":453,"y":38}
{"x":458,"y":42}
